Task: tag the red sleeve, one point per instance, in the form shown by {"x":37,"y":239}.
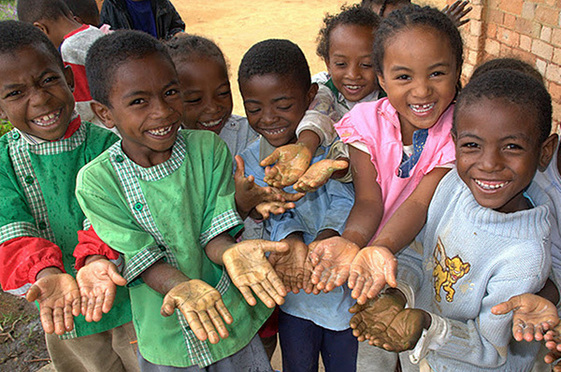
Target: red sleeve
{"x":90,"y":244}
{"x":81,"y":87}
{"x":22,"y":258}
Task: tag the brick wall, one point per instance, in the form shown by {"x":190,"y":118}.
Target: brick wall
{"x":529,"y":30}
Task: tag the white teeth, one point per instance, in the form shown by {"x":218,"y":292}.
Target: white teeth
{"x":352,"y":87}
{"x":210,"y":124}
{"x":422,"y":108}
{"x":46,"y":120}
{"x":161,"y":131}
{"x":274,"y":131}
{"x":487,"y":186}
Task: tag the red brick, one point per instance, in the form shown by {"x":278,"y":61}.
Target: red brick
{"x":505,"y":50}
{"x":542,"y":49}
{"x":525,"y":27}
{"x":556,"y":37}
{"x":525,"y":56}
{"x":557,"y":56}
{"x":492,"y":47}
{"x":525,"y":43}
{"x":509,"y":20}
{"x":491,"y":30}
{"x":528,"y":10}
{"x":553,"y":73}
{"x":555,"y":91}
{"x":512,"y":6}
{"x":547,"y":15}
{"x":495,"y":16}
{"x":508,"y":37}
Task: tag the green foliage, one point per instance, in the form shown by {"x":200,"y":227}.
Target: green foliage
{"x":5,"y":127}
{"x":8,"y":10}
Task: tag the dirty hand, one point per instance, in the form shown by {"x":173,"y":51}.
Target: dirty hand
{"x":59,"y":302}
{"x":250,"y":270}
{"x":98,"y":283}
{"x":458,"y":10}
{"x":265,"y":209}
{"x":293,"y":266}
{"x":332,"y":260}
{"x":290,"y":163}
{"x":533,"y":316}
{"x":318,"y":174}
{"x":371,"y":270}
{"x":551,"y":357}
{"x":403,"y":332}
{"x":376,"y":315}
{"x":203,"y":308}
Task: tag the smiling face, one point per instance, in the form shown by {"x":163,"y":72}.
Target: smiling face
{"x":146,"y":107}
{"x":419,"y":76}
{"x":206,"y":93}
{"x":34,"y":94}
{"x":350,"y":61}
{"x":498,"y":152}
{"x":274,"y":106}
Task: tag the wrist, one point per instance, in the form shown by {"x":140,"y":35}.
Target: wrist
{"x":397,"y":295}
{"x":427,"y":320}
{"x":48,"y":271}
{"x":309,"y":139}
{"x":93,"y":258}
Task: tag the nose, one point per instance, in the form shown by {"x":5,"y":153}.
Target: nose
{"x":39,"y":97}
{"x":268,"y":116}
{"x":161,"y":108}
{"x":422,"y":88}
{"x":353,"y":72}
{"x":491,"y":160}
{"x":211,"y":106}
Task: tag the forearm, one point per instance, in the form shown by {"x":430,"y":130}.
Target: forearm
{"x":162,"y":277}
{"x":310,"y":140}
{"x":48,"y":271}
{"x":217,"y":246}
{"x":362,"y":223}
{"x":326,"y":234}
{"x":549,"y":292}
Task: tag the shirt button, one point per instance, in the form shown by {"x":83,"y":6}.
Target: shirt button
{"x":138,"y":206}
{"x":15,"y":135}
{"x":119,"y":158}
{"x":29,"y":180}
{"x":42,"y":225}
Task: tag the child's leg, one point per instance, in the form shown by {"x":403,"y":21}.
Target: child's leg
{"x":339,"y":350}
{"x":106,"y":351}
{"x":300,"y":342}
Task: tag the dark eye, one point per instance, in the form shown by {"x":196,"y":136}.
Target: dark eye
{"x":12,"y":94}
{"x":366,"y":65}
{"x":171,"y":92}
{"x":285,"y":108}
{"x":403,"y":77}
{"x":513,"y":146}
{"x":252,"y":110}
{"x":470,"y":145}
{"x":437,"y":73}
{"x":137,"y":101}
{"x":225,"y":93}
{"x":50,"y":79}
{"x":340,"y":64}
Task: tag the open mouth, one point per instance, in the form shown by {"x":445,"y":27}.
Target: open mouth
{"x":274,"y":132}
{"x":421,"y":109}
{"x":490,"y":185}
{"x":160,"y":132}
{"x":211,"y":124}
{"x":353,"y":87}
{"x":48,"y":119}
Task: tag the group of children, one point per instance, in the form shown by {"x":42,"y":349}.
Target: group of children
{"x":381,"y":201}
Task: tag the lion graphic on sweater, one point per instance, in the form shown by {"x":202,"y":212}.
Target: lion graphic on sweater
{"x":446,"y":272}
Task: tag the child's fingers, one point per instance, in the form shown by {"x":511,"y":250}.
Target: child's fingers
{"x":240,"y":167}
{"x":58,"y":320}
{"x":116,"y":278}
{"x":224,"y":312}
{"x":168,"y":306}
{"x":108,"y":300}
{"x":196,"y":325}
{"x":375,"y":287}
{"x":263,"y":295}
{"x":218,"y":323}
{"x":246,"y":293}
{"x":33,"y":293}
{"x":68,"y":314}
{"x":271,"y":159}
{"x":505,"y":307}
{"x":272,"y":292}
{"x":517,"y":329}
{"x":529,"y":332}
{"x":358,"y":285}
{"x":46,"y":315}
{"x":84,"y":305}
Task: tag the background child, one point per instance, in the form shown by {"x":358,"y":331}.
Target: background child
{"x":39,"y":214}
{"x":84,"y":11}
{"x":275,"y":84}
{"x":73,"y":39}
{"x":179,"y":253}
{"x":488,"y":225}
{"x":155,"y":17}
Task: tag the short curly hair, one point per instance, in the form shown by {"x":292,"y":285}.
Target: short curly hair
{"x":186,"y":48}
{"x":513,"y":86}
{"x":349,"y":15}
{"x":31,"y":11}
{"x":383,"y":4}
{"x":508,"y":63}
{"x":15,"y":36}
{"x":109,"y":52}
{"x":278,"y":57}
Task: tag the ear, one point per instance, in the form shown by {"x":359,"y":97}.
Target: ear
{"x":103,"y":113}
{"x":3,"y":115}
{"x":454,"y":137}
{"x":311,"y":93}
{"x":381,"y":81}
{"x":327,"y":66}
{"x":547,"y":151}
{"x":69,"y":76}
{"x":43,"y":27}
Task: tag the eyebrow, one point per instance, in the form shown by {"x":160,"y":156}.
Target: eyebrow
{"x":226,"y":84}
{"x":439,"y":64}
{"x":345,"y":56}
{"x":17,"y":85}
{"x":502,"y":139}
{"x":140,"y":92}
{"x":283,"y":98}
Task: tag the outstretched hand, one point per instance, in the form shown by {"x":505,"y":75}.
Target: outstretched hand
{"x":318,"y":174}
{"x":332,"y":260}
{"x":533,"y":316}
{"x":371,"y":270}
{"x":290,"y":163}
{"x":250,"y":270}
{"x":458,"y":10}
{"x":203,"y":308}
{"x":293,"y":266}
{"x":59,"y":302}
{"x":98,"y":282}
{"x":403,"y":332}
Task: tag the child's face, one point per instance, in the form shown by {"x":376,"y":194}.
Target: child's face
{"x":206,"y":94}
{"x":419,"y":77}
{"x":274,"y":106}
{"x":146,"y":107}
{"x":350,"y":61}
{"x":498,"y":152}
{"x":34,"y":92}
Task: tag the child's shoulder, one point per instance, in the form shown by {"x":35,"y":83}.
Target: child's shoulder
{"x":81,"y":38}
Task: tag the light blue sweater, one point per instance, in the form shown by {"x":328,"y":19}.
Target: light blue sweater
{"x":494,"y":256}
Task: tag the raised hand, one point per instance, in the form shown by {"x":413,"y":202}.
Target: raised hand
{"x":458,"y":10}
{"x":551,"y":357}
{"x":98,"y":282}
{"x":533,"y":316}
{"x":250,"y":270}
{"x":293,"y":266}
{"x":290,"y":163}
{"x":376,"y":315}
{"x":59,"y":302}
{"x":203,"y":308}
{"x":371,"y":270}
{"x":318,"y":174}
{"x":265,"y":209}
{"x":332,"y":260}
{"x":403,"y":332}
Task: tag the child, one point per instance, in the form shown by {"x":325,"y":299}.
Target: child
{"x":73,"y":39}
{"x":84,"y":11}
{"x":486,"y":237}
{"x":39,"y":214}
{"x":275,"y":85}
{"x":155,"y":17}
{"x":172,"y":253}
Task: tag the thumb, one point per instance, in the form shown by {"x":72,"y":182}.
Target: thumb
{"x":390,"y":270}
{"x":167,"y":307}
{"x":269,"y":246}
{"x":271,"y":159}
{"x":240,"y":167}
{"x":339,"y":164}
{"x":116,"y":277}
{"x":506,"y":307}
{"x":316,"y":251}
{"x":33,"y":293}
